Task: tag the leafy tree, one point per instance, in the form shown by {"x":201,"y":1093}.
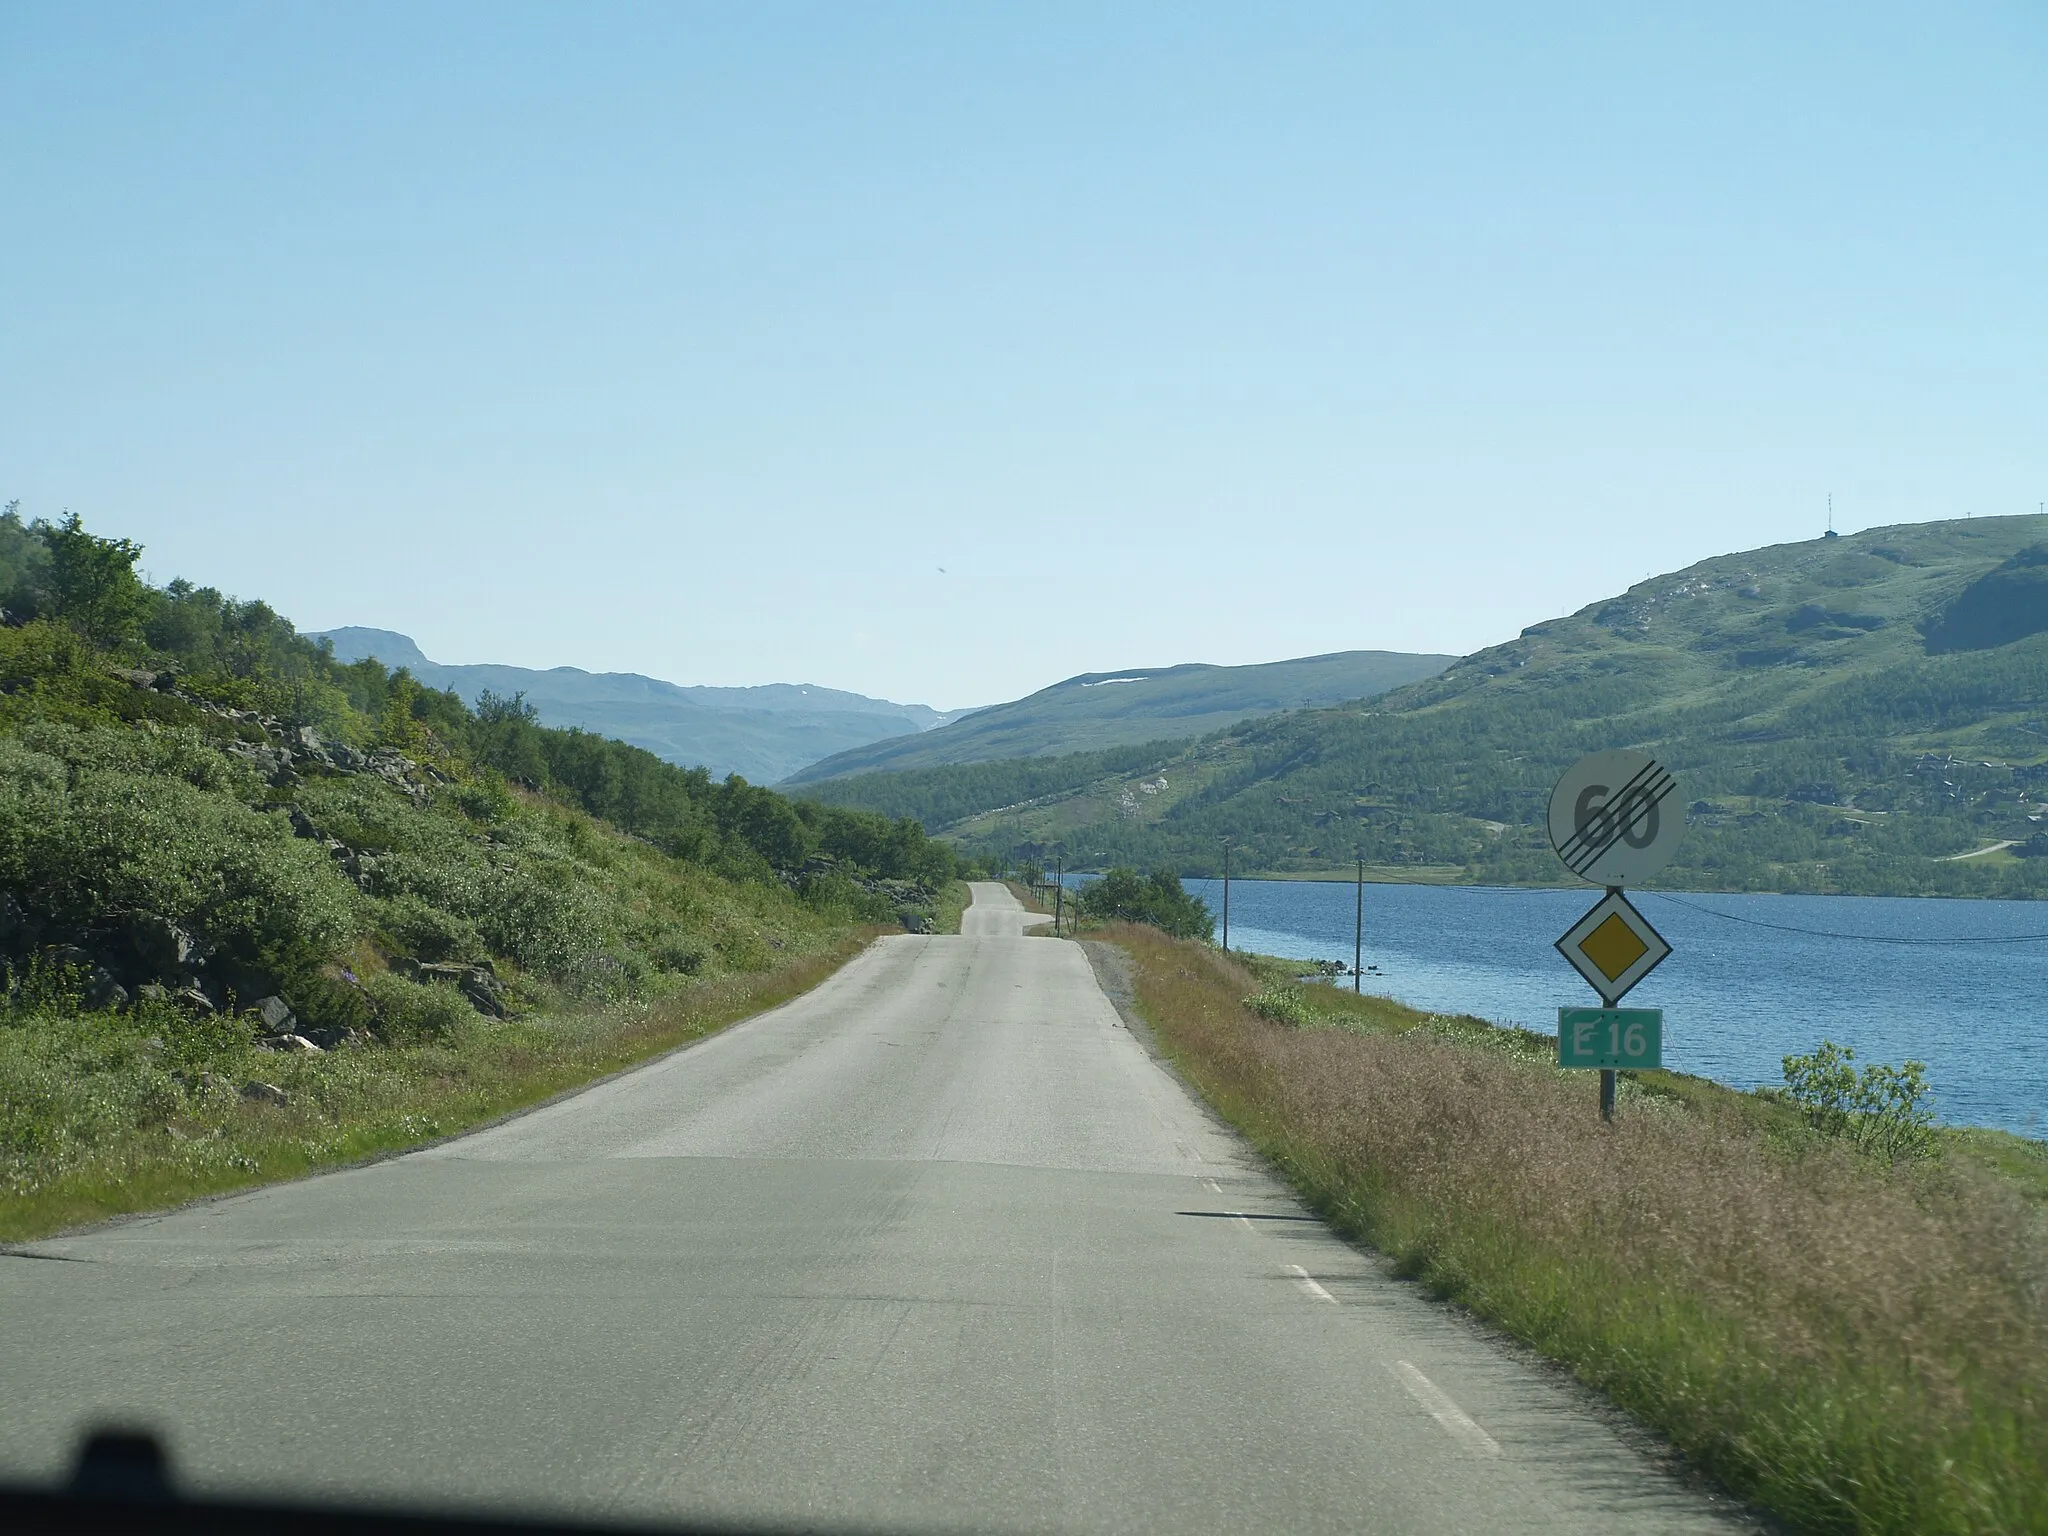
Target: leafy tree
{"x":1158,"y":898}
{"x":399,"y":726}
{"x":1882,"y":1109}
{"x":92,"y":585}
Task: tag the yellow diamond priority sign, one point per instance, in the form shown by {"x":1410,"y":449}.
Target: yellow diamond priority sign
{"x":1613,"y":947}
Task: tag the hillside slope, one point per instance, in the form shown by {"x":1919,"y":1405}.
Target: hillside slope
{"x":1857,"y":714}
{"x":227,"y":858}
{"x":1106,"y":709}
{"x":764,"y":733}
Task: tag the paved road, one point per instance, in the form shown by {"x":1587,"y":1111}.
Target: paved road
{"x":936,"y":1246}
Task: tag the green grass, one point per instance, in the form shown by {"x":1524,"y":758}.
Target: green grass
{"x":111,"y":1113}
{"x":950,"y":903}
{"x":1854,"y":1345}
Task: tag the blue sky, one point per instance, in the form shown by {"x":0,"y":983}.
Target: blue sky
{"x":696,"y":341}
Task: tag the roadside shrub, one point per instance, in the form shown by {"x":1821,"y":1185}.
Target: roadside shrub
{"x":40,"y":985}
{"x":673,"y":951}
{"x":484,"y":799}
{"x":1124,"y":895}
{"x":409,"y":1012}
{"x":113,"y":841}
{"x":1284,"y":1005}
{"x":834,"y":894}
{"x":1883,"y":1110}
{"x":416,"y":928}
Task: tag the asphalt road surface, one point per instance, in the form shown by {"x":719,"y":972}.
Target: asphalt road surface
{"x":937,"y":1246}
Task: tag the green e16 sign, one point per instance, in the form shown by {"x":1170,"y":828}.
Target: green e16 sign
{"x":1610,"y":1037}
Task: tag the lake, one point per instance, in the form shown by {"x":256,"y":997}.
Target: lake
{"x":1883,"y":975}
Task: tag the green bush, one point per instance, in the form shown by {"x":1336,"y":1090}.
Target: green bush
{"x":418,"y":929}
{"x":1124,"y":895}
{"x":1883,"y":1110}
{"x":1284,"y":1005}
{"x":409,"y":1012}
{"x":835,"y":894}
{"x":80,"y":842}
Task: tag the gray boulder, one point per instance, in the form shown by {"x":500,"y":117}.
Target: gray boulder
{"x":102,"y":991}
{"x":161,"y":950}
{"x":478,"y":982}
{"x":274,"y":1014}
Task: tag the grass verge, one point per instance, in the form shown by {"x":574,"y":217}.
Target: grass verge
{"x":101,"y":1117}
{"x":1853,"y":1345}
{"x":953,"y":900}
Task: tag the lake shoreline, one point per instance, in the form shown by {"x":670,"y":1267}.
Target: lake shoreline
{"x":1754,"y":976}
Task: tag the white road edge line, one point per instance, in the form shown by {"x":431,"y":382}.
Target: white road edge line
{"x":1214,"y":1187}
{"x":1455,"y":1420}
{"x":1308,"y":1284}
{"x":1241,"y":1219}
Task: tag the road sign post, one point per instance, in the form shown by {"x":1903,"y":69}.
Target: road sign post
{"x":1614,"y":820}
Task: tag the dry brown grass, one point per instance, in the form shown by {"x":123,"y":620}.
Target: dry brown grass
{"x":1855,"y":1346}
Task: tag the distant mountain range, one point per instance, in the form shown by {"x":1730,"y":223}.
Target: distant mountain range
{"x":1139,"y":704}
{"x":1862,"y":714}
{"x":763,"y":734}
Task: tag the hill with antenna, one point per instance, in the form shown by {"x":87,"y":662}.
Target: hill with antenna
{"x":1864,"y":713}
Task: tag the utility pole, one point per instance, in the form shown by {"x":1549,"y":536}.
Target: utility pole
{"x":1358,"y":933}
{"x":1226,"y":895}
{"x":1059,"y":890}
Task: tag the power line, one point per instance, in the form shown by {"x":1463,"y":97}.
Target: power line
{"x":1860,"y":938}
{"x":1749,"y":922}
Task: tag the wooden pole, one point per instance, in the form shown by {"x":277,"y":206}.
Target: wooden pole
{"x":1226,"y":895}
{"x":1358,"y":932}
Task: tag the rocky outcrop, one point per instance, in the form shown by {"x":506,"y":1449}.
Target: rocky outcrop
{"x":126,"y":958}
{"x":284,"y":753}
{"x":477,"y":982}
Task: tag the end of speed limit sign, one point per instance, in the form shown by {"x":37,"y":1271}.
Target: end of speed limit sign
{"x":1615,"y":817}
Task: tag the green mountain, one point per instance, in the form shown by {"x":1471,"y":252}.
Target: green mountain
{"x":1865,"y":714}
{"x":1140,"y":704}
{"x":763,"y":733}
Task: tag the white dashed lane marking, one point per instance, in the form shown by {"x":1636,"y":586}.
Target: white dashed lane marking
{"x":1307,"y":1283}
{"x":1455,"y":1420}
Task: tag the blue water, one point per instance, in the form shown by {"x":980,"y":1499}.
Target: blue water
{"x":1736,"y":998}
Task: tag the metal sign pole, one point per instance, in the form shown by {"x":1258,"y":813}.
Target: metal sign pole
{"x":1609,"y":1082}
